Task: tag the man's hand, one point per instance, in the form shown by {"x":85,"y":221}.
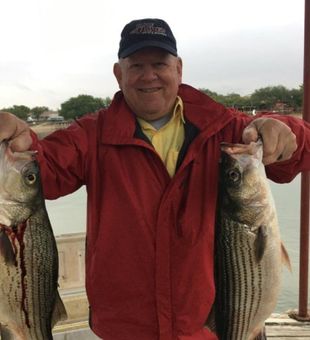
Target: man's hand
{"x":279,"y":142}
{"x":15,"y":131}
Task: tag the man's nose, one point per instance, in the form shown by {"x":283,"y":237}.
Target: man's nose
{"x":149,"y":73}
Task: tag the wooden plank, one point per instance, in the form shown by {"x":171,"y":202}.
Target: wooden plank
{"x":289,"y":332}
{"x":288,"y":338}
{"x":282,"y":327}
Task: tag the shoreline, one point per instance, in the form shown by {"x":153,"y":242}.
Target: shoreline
{"x":45,"y":128}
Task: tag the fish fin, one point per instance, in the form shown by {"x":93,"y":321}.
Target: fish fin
{"x":259,"y":333}
{"x":6,"y":334}
{"x":59,"y":312}
{"x":6,"y":249}
{"x":260,"y":243}
{"x":211,"y":322}
{"x":285,"y":258}
{"x":11,"y":333}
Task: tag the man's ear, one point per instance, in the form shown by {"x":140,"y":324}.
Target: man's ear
{"x":117,"y":73}
{"x":180,"y":69}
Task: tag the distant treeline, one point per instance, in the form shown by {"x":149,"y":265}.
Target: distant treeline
{"x":73,"y":108}
{"x":277,"y":98}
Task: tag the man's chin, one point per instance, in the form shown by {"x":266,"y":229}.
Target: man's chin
{"x":151,"y":116}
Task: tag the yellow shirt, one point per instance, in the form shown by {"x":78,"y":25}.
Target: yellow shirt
{"x":168,"y":139}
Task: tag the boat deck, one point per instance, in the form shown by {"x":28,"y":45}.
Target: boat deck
{"x":282,"y":327}
{"x":278,"y":327}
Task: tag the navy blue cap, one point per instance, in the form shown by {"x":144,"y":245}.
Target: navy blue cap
{"x":143,"y":33}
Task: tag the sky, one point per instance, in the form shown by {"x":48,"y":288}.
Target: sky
{"x":52,"y":50}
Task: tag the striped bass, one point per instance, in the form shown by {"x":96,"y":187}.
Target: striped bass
{"x":249,"y":251}
{"x":29,"y":300}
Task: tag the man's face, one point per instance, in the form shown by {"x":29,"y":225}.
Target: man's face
{"x":149,"y":79}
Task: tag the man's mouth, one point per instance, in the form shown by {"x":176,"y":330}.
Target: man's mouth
{"x":150,"y":90}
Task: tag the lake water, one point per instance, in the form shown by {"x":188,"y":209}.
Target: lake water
{"x":68,"y":215}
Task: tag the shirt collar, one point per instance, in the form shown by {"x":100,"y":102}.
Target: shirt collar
{"x":178,"y":109}
{"x":177,"y":113}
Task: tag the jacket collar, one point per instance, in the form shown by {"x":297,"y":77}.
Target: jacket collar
{"x":118,"y":122}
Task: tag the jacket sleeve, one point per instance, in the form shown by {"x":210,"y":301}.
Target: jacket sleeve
{"x":284,"y":172}
{"x":63,"y":155}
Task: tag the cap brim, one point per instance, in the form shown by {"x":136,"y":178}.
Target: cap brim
{"x":144,"y":44}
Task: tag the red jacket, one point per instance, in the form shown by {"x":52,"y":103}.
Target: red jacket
{"x":149,"y":260}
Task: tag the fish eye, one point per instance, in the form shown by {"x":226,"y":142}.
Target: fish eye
{"x":233,"y":175}
{"x":30,"y":178}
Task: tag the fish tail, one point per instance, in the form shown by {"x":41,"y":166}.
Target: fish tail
{"x":285,"y":258}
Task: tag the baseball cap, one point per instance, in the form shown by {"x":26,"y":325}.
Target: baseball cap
{"x":143,"y":33}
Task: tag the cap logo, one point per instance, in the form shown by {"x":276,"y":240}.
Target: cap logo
{"x":148,"y":28}
{"x":139,"y":34}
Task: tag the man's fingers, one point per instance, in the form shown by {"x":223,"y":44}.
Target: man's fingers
{"x":250,"y":134}
{"x":16,"y":131}
{"x":283,"y":150}
{"x":7,"y":125}
{"x":279,"y":142}
{"x":21,"y":143}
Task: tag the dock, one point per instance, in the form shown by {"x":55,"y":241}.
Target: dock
{"x":277,"y":328}
{"x":71,"y":249}
{"x":282,"y":327}
{"x":42,"y":129}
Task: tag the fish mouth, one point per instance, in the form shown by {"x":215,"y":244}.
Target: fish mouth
{"x":237,"y":149}
{"x":246,"y":155}
{"x":3,"y":147}
{"x":14,"y":158}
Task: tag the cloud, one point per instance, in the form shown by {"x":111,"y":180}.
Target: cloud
{"x":56,"y":49}
{"x":244,"y":61}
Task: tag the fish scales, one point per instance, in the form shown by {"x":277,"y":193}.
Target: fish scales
{"x":248,"y":247}
{"x":30,"y":303}
{"x":241,"y":280}
{"x":31,"y":282}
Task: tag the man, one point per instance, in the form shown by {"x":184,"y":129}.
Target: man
{"x":150,"y":165}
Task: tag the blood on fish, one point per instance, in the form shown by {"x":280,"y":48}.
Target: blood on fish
{"x":16,"y":234}
{"x":20,"y":237}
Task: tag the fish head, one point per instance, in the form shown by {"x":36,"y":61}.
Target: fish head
{"x":19,"y":185}
{"x":242,"y":178}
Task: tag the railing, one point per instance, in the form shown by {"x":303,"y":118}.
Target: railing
{"x":303,"y":312}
